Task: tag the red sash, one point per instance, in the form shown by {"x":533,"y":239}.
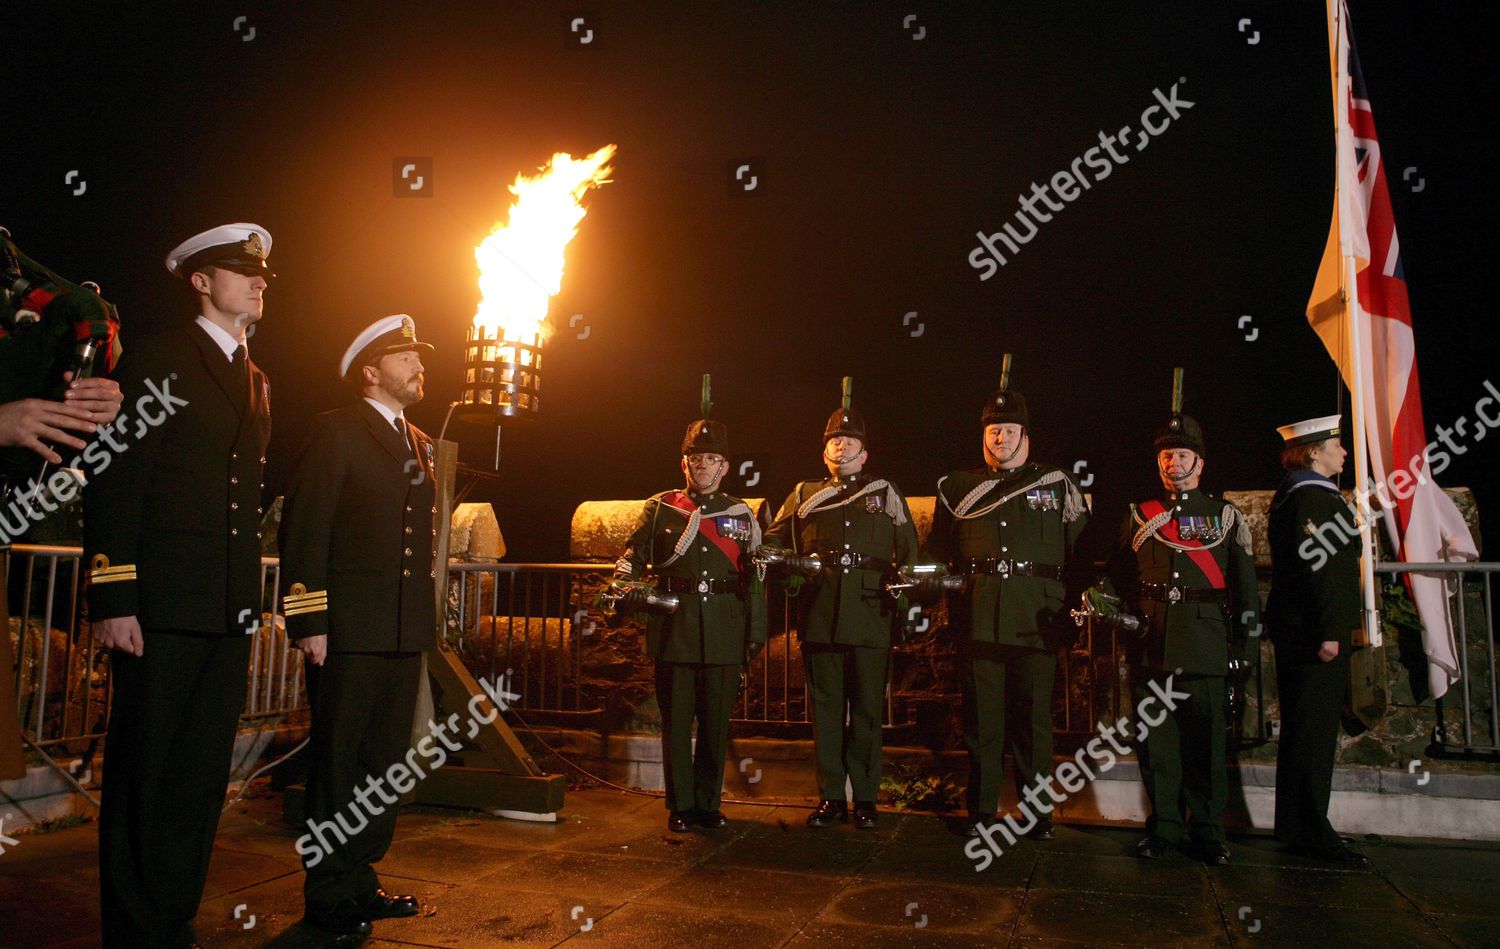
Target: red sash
{"x":707,"y":527}
{"x":1198,"y":555}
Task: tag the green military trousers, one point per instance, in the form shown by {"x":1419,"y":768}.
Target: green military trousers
{"x":684,"y":692}
{"x":1182,"y":753}
{"x":1007,"y":695}
{"x":845,"y":692}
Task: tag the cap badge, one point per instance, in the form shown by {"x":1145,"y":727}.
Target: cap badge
{"x":408,"y":329}
{"x":253,"y":246}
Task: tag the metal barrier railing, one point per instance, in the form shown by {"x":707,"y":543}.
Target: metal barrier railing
{"x":63,"y":682}
{"x":529,"y":622}
{"x":1484,"y":572}
{"x":534,"y":623}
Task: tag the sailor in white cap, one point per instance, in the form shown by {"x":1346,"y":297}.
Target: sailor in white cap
{"x":1313,"y":610}
{"x":171,"y":537}
{"x":358,"y":586}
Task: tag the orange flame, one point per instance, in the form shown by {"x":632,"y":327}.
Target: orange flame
{"x":521,"y":261}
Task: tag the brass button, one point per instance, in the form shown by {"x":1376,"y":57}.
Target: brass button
{"x":234,"y":456}
{"x":406,"y":573}
{"x":408,"y":530}
{"x":233,"y":479}
{"x":408,"y":509}
{"x":407,"y":551}
{"x":233,"y":532}
{"x":234,"y":505}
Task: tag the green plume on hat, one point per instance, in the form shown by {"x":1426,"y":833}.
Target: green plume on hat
{"x":706,"y":435}
{"x":848,"y":392}
{"x":1181,"y":431}
{"x":1005,"y":372}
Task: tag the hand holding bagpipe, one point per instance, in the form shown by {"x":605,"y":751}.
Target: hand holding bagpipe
{"x":30,"y":295}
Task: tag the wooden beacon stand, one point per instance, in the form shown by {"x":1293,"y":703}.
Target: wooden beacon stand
{"x":498,"y":775}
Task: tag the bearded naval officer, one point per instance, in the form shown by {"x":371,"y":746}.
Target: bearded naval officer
{"x":358,"y":587}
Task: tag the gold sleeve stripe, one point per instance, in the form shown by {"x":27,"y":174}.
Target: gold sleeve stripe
{"x":113,"y":574}
{"x":292,"y":598}
{"x":319,"y":607}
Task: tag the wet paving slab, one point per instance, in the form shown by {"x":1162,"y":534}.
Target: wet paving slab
{"x":609,"y":869}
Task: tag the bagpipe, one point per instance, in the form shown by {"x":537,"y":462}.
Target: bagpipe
{"x":49,"y":326}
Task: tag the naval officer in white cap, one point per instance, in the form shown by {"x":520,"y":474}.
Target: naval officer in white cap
{"x":1313,"y":610}
{"x":359,"y":593}
{"x":171,"y":542}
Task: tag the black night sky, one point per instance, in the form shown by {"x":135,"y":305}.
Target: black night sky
{"x":883,"y":138}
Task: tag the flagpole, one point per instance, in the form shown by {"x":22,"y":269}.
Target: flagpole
{"x":1349,"y":292}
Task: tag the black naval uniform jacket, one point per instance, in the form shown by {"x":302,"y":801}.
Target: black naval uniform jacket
{"x":1194,"y":630}
{"x":357,"y":536}
{"x":1031,"y":535}
{"x":172,"y":509}
{"x":711,"y":625}
{"x":1315,"y":595}
{"x":862,"y":521}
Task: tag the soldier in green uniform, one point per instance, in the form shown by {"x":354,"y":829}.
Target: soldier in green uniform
{"x":1312,"y":613}
{"x":1011,"y":526}
{"x":695,"y":543}
{"x":1185,"y":566}
{"x":860,"y":528}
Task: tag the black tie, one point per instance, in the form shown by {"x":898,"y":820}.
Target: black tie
{"x":401,"y":430}
{"x":239,"y":366}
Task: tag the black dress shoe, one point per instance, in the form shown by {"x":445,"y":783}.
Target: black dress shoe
{"x":712,"y":819}
{"x":1152,"y":847}
{"x":977,"y":821}
{"x":1211,"y":852}
{"x":385,"y":906}
{"x":677,"y":821}
{"x":1042,"y":831}
{"x":828,"y":814}
{"x":865,"y":815}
